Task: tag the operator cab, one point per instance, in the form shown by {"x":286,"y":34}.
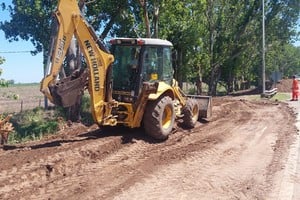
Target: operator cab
{"x":137,"y":61}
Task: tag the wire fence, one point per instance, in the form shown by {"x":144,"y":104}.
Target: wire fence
{"x":16,"y":106}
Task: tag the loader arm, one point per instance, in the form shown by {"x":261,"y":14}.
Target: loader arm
{"x":71,"y":23}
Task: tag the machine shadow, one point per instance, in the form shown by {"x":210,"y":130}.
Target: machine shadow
{"x":127,"y":136}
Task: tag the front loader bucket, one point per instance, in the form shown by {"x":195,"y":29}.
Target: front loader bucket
{"x":205,"y":105}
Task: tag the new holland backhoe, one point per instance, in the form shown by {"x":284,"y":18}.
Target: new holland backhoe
{"x":132,"y":86}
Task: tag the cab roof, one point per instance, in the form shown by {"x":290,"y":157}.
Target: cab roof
{"x":141,"y":41}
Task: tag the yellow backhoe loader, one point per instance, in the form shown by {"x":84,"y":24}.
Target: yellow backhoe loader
{"x":133,"y":86}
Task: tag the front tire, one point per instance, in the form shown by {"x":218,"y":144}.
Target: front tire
{"x":159,"y":118}
{"x":190,"y":113}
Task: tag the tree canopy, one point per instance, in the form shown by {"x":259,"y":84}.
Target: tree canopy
{"x":2,"y":60}
{"x":218,"y":41}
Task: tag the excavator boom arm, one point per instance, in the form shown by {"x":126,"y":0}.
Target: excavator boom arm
{"x":71,"y":23}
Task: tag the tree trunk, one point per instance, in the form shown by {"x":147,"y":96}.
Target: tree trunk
{"x":71,"y":56}
{"x":230,"y":83}
{"x":45,"y":74}
{"x":199,"y":82}
{"x":107,"y":28}
{"x":143,"y":4}
{"x":155,"y":20}
{"x":214,"y":79}
{"x":179,"y":72}
{"x":199,"y":85}
{"x":73,"y":59}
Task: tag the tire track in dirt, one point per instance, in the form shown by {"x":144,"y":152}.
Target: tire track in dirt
{"x":184,"y":147}
{"x":138,"y":159}
{"x":51,"y":168}
{"x":224,"y":171}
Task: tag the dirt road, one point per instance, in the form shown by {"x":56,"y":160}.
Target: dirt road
{"x":239,"y":154}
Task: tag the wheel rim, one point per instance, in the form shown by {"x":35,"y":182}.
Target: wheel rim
{"x":167,"y":117}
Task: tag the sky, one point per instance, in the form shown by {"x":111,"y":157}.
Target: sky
{"x":20,"y":66}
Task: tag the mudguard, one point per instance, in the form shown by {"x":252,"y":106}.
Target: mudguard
{"x":162,"y":89}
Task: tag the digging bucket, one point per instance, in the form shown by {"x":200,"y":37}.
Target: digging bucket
{"x":205,"y":105}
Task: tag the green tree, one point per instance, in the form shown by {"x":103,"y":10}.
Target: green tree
{"x":2,"y":60}
{"x":30,"y":21}
{"x":233,"y":37}
{"x":283,"y":58}
{"x":3,"y":83}
{"x":181,"y":22}
{"x":218,"y":41}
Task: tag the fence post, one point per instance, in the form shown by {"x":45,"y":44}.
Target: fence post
{"x":21,"y":105}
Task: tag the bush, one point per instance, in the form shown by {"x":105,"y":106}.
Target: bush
{"x":33,"y":125}
{"x":86,"y":114}
{"x":37,"y":123}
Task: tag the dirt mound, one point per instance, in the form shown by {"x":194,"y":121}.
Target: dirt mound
{"x":285,"y":85}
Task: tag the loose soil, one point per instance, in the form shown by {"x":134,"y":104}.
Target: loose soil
{"x":240,"y":153}
{"x":284,"y":85}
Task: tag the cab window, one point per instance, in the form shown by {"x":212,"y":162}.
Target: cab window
{"x":157,"y":64}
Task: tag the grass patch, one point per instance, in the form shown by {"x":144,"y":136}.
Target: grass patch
{"x":86,"y":114}
{"x":33,"y":125}
{"x":277,"y":97}
{"x":25,"y":85}
{"x":281,"y":96}
{"x":36,"y":123}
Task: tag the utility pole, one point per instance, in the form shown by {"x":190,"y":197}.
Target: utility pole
{"x":263,"y":50}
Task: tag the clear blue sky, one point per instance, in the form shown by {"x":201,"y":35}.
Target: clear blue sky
{"x":22,"y":67}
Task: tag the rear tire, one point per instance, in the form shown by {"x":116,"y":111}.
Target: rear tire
{"x":191,"y":113}
{"x":159,"y":118}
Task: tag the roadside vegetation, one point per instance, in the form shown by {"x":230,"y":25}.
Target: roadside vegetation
{"x":30,"y":124}
{"x":3,"y":82}
{"x":33,"y":124}
{"x":37,"y":123}
{"x":281,"y":96}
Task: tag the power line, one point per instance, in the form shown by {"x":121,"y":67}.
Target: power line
{"x":3,"y":52}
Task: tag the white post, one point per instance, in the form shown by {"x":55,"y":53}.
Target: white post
{"x":263,"y":49}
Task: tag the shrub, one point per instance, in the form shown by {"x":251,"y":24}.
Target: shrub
{"x":86,"y":114}
{"x":32,"y":125}
{"x":37,"y":123}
